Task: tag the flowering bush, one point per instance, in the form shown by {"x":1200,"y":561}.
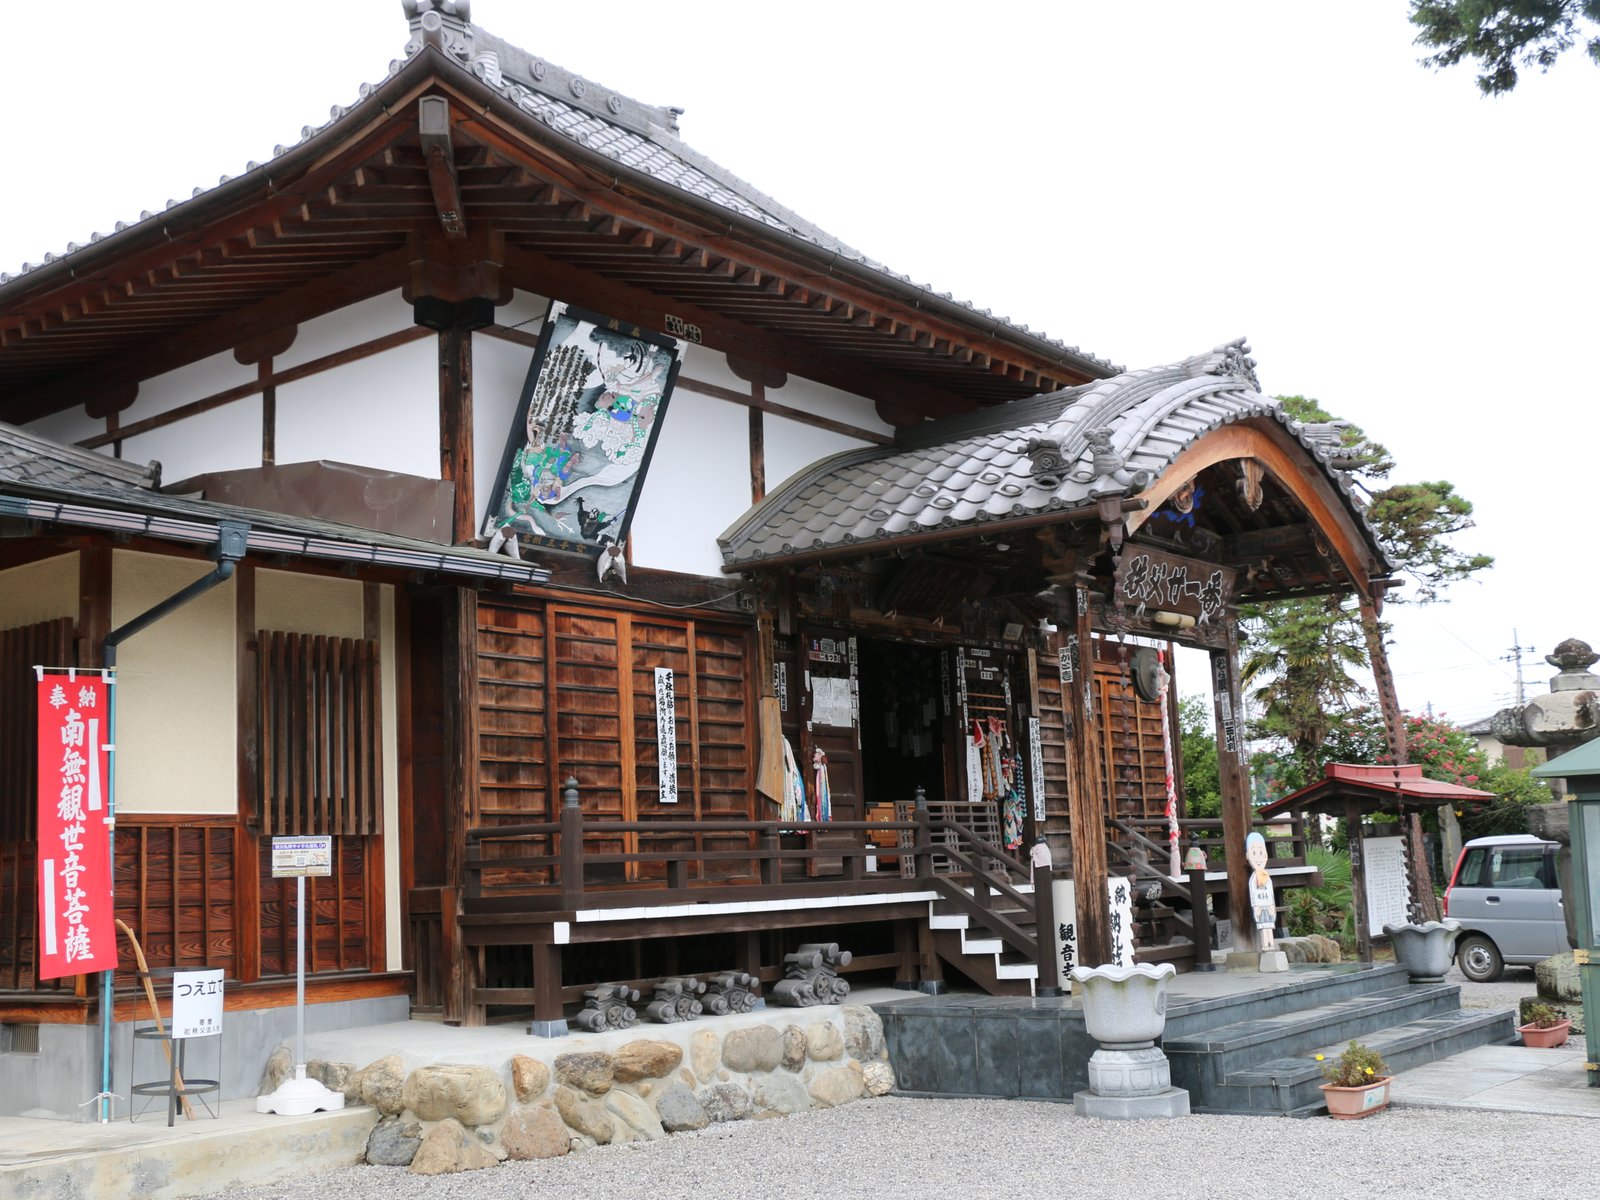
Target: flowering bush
{"x":1357,"y":1066}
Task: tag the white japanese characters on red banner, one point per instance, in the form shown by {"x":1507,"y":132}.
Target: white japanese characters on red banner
{"x":75,"y":917}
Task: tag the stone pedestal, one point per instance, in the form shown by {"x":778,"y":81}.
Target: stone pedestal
{"x":1125,"y":1010}
{"x":1272,"y":960}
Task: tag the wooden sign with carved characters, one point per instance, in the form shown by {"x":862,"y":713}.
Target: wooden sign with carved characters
{"x":1151,"y":580}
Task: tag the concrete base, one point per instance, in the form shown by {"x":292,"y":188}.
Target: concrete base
{"x":548,"y":1029}
{"x":1273,"y":960}
{"x":300,"y":1096}
{"x":1163,"y":1106}
{"x":194,"y":1158}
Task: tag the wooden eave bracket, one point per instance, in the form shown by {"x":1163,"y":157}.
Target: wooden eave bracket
{"x":433,"y":127}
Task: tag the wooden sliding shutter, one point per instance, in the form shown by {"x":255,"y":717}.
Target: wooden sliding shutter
{"x":47,"y":644}
{"x":1133,"y":767}
{"x":320,"y":735}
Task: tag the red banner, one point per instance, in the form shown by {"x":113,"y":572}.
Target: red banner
{"x":76,"y":934}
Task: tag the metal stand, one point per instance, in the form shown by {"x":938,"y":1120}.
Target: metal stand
{"x":178,"y":1086}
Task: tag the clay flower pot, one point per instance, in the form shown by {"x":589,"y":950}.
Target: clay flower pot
{"x":1353,"y":1103}
{"x":1545,"y":1039}
{"x":1124,"y":1007}
{"x":1424,"y":950}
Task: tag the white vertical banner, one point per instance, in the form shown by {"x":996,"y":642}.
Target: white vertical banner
{"x":667,"y":735}
{"x":1036,"y":773}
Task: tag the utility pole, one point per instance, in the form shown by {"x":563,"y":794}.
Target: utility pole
{"x":1515,"y":657}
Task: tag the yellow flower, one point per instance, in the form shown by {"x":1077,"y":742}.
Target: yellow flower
{"x":1319,"y":1058}
{"x":1369,"y":1070}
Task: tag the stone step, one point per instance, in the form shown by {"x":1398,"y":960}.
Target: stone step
{"x":1306,"y":988}
{"x":1286,"y":1085}
{"x":1202,"y":1060}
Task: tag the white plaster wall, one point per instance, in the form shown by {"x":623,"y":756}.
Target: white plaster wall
{"x":315,"y":604}
{"x":224,"y":439}
{"x":818,"y":398}
{"x":378,"y":412}
{"x":71,"y":426}
{"x":792,"y":446}
{"x":499,"y":368}
{"x":708,"y":366}
{"x":39,"y":591}
{"x":699,"y":481}
{"x":193,"y":382}
{"x":346,"y":327}
{"x":177,"y":692}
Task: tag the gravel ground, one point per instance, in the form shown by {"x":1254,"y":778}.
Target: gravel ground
{"x":883,"y":1148}
{"x":1516,"y":985}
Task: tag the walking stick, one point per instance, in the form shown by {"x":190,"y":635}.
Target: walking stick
{"x":155,"y":1009}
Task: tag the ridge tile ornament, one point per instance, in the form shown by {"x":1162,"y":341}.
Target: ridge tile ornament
{"x":609,"y":1006}
{"x":1125,"y":1010}
{"x":813,"y":976}
{"x":732,"y":992}
{"x":676,"y":999}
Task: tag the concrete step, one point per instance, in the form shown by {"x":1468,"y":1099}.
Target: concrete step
{"x":1204,"y":1059}
{"x":1285,"y":1086}
{"x":1306,"y":989}
{"x":144,"y":1158}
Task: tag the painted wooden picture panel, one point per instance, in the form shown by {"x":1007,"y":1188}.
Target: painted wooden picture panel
{"x":587,"y":423}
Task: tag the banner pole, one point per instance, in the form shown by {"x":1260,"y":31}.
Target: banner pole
{"x":300,"y":978}
{"x":108,"y":977}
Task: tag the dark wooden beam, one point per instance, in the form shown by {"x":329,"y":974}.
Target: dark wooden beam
{"x":1085,"y":804}
{"x":455,"y":429}
{"x":1234,"y":782}
{"x":433,"y":128}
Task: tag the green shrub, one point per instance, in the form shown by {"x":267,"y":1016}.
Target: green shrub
{"x":1357,"y":1066}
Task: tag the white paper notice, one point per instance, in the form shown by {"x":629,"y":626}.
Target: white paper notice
{"x":830,"y":702}
{"x":1387,"y":899}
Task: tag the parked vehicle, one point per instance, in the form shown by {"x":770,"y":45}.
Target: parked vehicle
{"x":1504,"y":893}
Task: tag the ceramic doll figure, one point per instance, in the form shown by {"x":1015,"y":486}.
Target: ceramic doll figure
{"x":1263,"y":903}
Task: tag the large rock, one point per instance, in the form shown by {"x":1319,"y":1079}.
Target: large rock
{"x":529,"y":1078}
{"x":878,"y":1078}
{"x":280,"y":1065}
{"x":584,"y":1114}
{"x":782,"y":1093}
{"x":837,"y":1085}
{"x":636,"y":1119}
{"x":863,"y":1033}
{"x":382,"y":1085}
{"x":794,"y":1047}
{"x":472,"y":1095}
{"x":1557,"y":978}
{"x":724,"y":1102}
{"x":679,"y":1110}
{"x":535,"y":1133}
{"x":705,"y":1050}
{"x":335,"y":1076}
{"x":824,"y":1042}
{"x":646,"y":1059}
{"x":590,"y":1071}
{"x":448,"y":1147}
{"x":754,"y":1048}
{"x":393,"y":1142}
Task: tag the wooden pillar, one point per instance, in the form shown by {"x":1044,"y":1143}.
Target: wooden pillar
{"x":1234,"y":783}
{"x":1425,"y":905}
{"x":1085,"y":805}
{"x":1358,"y":880}
{"x":758,"y":453}
{"x":455,"y":428}
{"x":461,"y":811}
{"x":247,"y":852}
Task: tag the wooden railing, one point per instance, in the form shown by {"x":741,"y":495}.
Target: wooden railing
{"x":1206,"y":832}
{"x":501,"y":879}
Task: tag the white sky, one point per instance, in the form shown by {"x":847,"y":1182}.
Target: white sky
{"x":1141,"y":180}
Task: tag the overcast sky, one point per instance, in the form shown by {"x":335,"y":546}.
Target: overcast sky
{"x":1144,"y":181}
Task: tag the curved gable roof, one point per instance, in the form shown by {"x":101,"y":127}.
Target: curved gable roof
{"x":1052,"y":453}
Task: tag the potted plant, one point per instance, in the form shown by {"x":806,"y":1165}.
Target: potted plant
{"x":1358,"y":1083}
{"x":1545,"y":1029}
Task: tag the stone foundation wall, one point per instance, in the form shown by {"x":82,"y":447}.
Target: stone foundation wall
{"x":579,"y":1092}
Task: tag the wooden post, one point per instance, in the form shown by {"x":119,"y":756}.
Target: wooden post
{"x":1044,"y":925}
{"x":1425,"y":905}
{"x":460,"y":741}
{"x":547,"y":1005}
{"x":1234,"y":783}
{"x":1358,"y":880}
{"x":571,"y":846}
{"x":1085,"y":805}
{"x":455,"y":428}
{"x":923,"y":850}
{"x":1200,"y":919}
{"x":247,"y":853}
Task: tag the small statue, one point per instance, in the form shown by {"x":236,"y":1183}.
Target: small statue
{"x":1263,"y":902}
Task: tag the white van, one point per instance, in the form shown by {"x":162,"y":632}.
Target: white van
{"x":1505,"y":894}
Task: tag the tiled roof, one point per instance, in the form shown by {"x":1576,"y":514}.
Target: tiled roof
{"x":638,"y":136}
{"x":1054,"y":452}
{"x":42,"y":480}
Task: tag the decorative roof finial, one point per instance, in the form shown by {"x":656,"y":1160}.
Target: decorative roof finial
{"x":444,"y":24}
